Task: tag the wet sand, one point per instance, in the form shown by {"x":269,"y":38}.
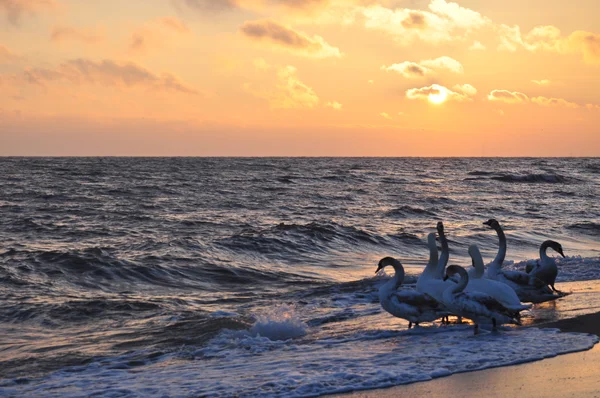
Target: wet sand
{"x":570,"y":375}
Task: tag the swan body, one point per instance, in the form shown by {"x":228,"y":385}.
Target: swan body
{"x":477,"y":306}
{"x":545,"y":271}
{"x":498,"y":290}
{"x":411,"y":305}
{"x":429,"y":281}
{"x":526,"y":289}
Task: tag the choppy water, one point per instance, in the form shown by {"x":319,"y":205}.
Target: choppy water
{"x":118,"y":271}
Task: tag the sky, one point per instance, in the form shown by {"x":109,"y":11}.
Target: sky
{"x":299,"y":78}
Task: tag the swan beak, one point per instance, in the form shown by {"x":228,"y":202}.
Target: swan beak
{"x":378,"y":269}
{"x":561,"y":253}
{"x":445,"y":278}
{"x":487,"y":223}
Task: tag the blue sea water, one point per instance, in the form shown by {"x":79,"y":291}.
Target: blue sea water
{"x":255,"y":276}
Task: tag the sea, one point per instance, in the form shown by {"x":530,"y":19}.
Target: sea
{"x":221,"y":277}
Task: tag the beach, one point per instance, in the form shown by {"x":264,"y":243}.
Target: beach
{"x":570,"y":375}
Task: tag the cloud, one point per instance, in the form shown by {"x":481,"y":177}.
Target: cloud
{"x":477,"y":46}
{"x":442,"y":22}
{"x":62,"y":33}
{"x":465,"y":89}
{"x":287,"y":93}
{"x":108,"y":73}
{"x":426,"y":67}
{"x":174,"y":24}
{"x":286,"y":38}
{"x":558,"y":102}
{"x":6,"y":55}
{"x":385,"y":115}
{"x":423,"y":93}
{"x":543,"y":82}
{"x":549,"y":38}
{"x":154,"y":33}
{"x":588,"y":43}
{"x":255,"y":5}
{"x":335,"y":105}
{"x":510,"y":97}
{"x":592,"y":107}
{"x":14,"y":9}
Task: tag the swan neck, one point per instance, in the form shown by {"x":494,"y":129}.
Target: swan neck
{"x":398,"y":276}
{"x":462,"y":284}
{"x":543,"y":255}
{"x":502,"y":247}
{"x":443,"y":260}
{"x":433,"y":255}
{"x":478,"y":263}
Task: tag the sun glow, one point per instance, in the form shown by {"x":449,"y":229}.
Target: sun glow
{"x":438,"y":97}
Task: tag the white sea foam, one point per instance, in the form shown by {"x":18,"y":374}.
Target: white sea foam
{"x":281,"y":323}
{"x":242,"y":364}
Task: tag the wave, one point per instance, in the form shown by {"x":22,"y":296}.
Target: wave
{"x":258,"y":366}
{"x":405,"y":211}
{"x":588,"y":228}
{"x":532,"y":178}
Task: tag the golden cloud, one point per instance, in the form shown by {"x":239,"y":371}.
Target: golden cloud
{"x":288,"y":39}
{"x":426,"y":67}
{"x":510,"y":97}
{"x":558,"y":102}
{"x":463,"y":93}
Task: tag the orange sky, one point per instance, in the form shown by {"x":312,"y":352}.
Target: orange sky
{"x":300,"y":77}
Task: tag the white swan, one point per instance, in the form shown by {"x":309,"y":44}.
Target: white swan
{"x":413,"y":306}
{"x":477,"y":306}
{"x":498,"y":290}
{"x":429,"y":281}
{"x":520,"y":282}
{"x":546,"y":271}
{"x":443,"y":260}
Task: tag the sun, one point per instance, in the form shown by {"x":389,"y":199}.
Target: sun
{"x":438,"y":97}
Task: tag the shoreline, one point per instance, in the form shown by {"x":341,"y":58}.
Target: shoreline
{"x":576,"y":372}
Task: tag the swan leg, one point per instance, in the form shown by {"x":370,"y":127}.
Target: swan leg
{"x":494,"y":324}
{"x":409,"y":324}
{"x":416,"y":323}
{"x":476,"y":330}
{"x":459,"y":320}
{"x":554,"y":289}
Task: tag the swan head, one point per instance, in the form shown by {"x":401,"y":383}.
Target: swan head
{"x":556,"y":247}
{"x":440,"y":227}
{"x":456,"y":269}
{"x":431,"y":241}
{"x":492,"y":223}
{"x":384,"y":262}
{"x":474,"y":252}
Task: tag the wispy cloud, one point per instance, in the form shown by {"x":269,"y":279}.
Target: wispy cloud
{"x":63,"y":33}
{"x":543,"y":82}
{"x":107,"y":72}
{"x":288,"y":92}
{"x":558,"y":102}
{"x":154,"y":32}
{"x":15,"y":9}
{"x":286,"y":38}
{"x":334,"y":104}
